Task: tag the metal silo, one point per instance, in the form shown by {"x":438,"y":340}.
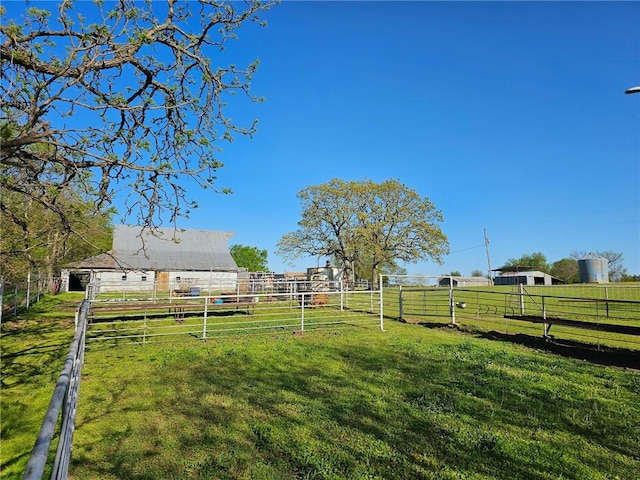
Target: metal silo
{"x":593,"y":269}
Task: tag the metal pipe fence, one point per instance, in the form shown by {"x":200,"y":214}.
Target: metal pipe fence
{"x":609,"y":316}
{"x":61,"y":410}
{"x":209,"y":316}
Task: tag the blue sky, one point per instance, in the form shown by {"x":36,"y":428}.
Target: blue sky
{"x":509,"y":116}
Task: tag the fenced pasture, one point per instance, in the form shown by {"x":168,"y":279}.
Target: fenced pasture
{"x":144,"y":320}
{"x":603,"y":316}
{"x":356,"y":403}
{"x":211,"y":386}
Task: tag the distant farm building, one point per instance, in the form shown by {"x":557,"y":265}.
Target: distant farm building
{"x":168,"y":259}
{"x":463,"y":281}
{"x":508,"y":276}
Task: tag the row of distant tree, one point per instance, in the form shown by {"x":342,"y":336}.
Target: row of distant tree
{"x":566,"y":269}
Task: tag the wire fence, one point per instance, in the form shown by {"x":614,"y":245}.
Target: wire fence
{"x":597,"y":315}
{"x":20,"y":296}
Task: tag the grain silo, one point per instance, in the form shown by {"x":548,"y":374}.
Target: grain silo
{"x":593,"y":269}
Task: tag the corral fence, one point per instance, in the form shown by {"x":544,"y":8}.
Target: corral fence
{"x":601,"y":315}
{"x":159,"y":319}
{"x":180,"y":287}
{"x":59,"y":419}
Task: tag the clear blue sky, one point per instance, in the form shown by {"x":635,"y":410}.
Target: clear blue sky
{"x":509,"y":116}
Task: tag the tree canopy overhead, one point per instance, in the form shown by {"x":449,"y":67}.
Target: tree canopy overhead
{"x":366,"y":222}
{"x":119,"y":95}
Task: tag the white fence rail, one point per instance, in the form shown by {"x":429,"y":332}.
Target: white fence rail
{"x":205,"y":317}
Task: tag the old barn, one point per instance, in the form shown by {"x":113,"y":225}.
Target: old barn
{"x":167,"y":259}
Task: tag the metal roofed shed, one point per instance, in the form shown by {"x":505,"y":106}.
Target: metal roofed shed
{"x":167,"y":258}
{"x":522,"y":275}
{"x":464,"y":281}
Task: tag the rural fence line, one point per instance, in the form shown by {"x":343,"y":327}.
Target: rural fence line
{"x":17,"y":297}
{"x":61,"y":409}
{"x":607,"y":319}
{"x":208,"y":316}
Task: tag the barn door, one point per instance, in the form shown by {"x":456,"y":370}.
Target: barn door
{"x":163,"y":281}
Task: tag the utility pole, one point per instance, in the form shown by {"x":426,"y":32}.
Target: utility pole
{"x":486,"y":246}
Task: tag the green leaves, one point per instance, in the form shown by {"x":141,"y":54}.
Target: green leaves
{"x":144,"y":81}
{"x":366,"y":225}
{"x":251,"y":258}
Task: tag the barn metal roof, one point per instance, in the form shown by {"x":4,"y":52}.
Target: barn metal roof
{"x":166,"y":249}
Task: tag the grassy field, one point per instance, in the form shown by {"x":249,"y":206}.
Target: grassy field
{"x":33,"y":347}
{"x":486,"y":307}
{"x":350,"y":403}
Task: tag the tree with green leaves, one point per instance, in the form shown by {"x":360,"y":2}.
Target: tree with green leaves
{"x":251,"y":258}
{"x":357,"y":222}
{"x":566,"y":270}
{"x":34,"y":240}
{"x":121,"y":95}
{"x":528,"y":261}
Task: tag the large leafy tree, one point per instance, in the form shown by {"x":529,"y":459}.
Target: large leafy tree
{"x":366,"y":222}
{"x":528,"y":261}
{"x":566,"y":270}
{"x":118,"y":95}
{"x":251,"y":258}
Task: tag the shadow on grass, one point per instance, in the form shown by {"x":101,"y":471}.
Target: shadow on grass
{"x":616,"y":357}
{"x":343,"y":406}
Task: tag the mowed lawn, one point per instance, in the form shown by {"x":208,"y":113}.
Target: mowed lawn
{"x":350,"y":403}
{"x":355,"y":403}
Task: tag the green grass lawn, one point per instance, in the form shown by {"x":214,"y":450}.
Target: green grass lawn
{"x":33,"y":347}
{"x":350,"y":403}
{"x":408,"y":403}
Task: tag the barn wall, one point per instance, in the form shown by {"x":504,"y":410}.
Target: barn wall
{"x":114,"y":282}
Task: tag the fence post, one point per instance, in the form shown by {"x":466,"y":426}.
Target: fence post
{"x":28,"y":298}
{"x":302,"y":313}
{"x":521,"y":288}
{"x":452,"y":307}
{"x":1,"y":298}
{"x":400,"y":312}
{"x":204,"y":326}
{"x":380,"y":290}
